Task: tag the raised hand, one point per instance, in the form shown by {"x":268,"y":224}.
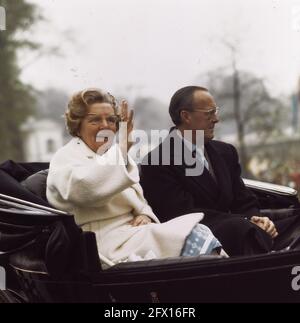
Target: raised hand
{"x":126,"y":117}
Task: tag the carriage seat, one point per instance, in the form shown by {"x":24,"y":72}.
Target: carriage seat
{"x":37,"y":183}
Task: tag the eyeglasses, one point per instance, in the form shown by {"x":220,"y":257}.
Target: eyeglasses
{"x":110,"y":120}
{"x":208,"y":113}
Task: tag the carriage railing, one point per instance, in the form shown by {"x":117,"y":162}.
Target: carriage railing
{"x":269,"y":187}
{"x":18,"y":203}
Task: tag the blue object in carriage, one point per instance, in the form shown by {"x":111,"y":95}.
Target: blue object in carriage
{"x":200,"y":241}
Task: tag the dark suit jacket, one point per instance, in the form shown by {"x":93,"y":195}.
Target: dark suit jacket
{"x":226,"y":202}
{"x":171,"y":193}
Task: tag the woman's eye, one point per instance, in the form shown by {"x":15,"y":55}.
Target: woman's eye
{"x":112,"y":119}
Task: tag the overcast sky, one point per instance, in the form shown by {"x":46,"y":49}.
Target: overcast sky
{"x":153,"y":47}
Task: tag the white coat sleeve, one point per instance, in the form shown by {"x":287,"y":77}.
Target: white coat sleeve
{"x":74,"y":181}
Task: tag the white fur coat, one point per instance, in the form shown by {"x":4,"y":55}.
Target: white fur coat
{"x":104,"y":195}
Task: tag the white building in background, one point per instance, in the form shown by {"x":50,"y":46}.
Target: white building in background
{"x":42,"y":138}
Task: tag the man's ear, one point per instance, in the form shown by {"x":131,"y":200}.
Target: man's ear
{"x":185,"y":116}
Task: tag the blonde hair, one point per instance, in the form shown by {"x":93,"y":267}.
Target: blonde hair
{"x":78,"y":107}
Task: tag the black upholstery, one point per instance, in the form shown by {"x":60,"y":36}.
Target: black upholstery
{"x":36,"y":240}
{"x":12,"y":174}
{"x":37,"y":183}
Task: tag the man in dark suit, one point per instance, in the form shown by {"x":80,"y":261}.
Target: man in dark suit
{"x":231,"y":210}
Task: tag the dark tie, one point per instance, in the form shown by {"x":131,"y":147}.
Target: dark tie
{"x":206,"y":163}
{"x":210,"y":169}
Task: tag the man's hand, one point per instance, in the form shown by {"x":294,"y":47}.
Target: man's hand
{"x":266,"y":224}
{"x":140,"y":220}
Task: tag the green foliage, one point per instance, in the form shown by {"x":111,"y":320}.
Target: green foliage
{"x":16,"y":98}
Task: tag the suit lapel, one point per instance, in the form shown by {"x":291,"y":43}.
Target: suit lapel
{"x":218,"y":192}
{"x":221,"y":172}
{"x":206,"y":185}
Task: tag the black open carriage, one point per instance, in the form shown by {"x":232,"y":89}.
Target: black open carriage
{"x":48,"y":258}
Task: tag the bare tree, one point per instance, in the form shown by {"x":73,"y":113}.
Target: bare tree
{"x":247,"y":103}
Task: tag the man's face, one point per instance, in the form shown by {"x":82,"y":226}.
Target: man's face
{"x":203,"y":115}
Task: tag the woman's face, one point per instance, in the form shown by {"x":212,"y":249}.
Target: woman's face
{"x":99,"y":125}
